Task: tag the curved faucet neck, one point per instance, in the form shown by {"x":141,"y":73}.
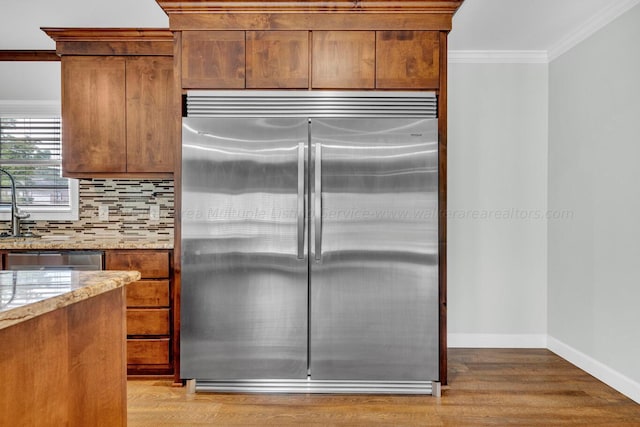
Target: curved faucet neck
{"x":14,"y":204}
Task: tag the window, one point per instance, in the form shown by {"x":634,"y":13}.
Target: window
{"x":30,"y":150}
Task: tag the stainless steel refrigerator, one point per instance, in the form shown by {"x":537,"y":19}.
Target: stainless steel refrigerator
{"x":310,"y":242}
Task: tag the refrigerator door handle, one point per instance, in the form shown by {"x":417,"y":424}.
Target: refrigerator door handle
{"x":318,"y":201}
{"x":301,"y":200}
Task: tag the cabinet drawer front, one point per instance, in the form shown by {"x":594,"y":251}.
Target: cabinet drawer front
{"x":148,"y":321}
{"x":150,"y":264}
{"x":148,"y":352}
{"x":148,"y":293}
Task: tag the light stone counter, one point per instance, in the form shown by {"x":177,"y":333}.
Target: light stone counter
{"x":28,"y":294}
{"x":85,"y":241}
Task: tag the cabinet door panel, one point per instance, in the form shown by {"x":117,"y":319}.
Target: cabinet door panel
{"x":150,"y":125}
{"x":277,"y":59}
{"x":213,"y":59}
{"x":407,"y":60}
{"x":93,"y":114}
{"x":343,"y":60}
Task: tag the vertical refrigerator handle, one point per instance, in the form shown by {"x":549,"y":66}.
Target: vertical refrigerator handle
{"x":318,"y":201}
{"x":301,"y":200}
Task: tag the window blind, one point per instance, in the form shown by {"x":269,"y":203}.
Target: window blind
{"x":30,"y":150}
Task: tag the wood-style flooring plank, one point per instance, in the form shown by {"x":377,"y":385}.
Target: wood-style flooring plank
{"x":528,"y":387}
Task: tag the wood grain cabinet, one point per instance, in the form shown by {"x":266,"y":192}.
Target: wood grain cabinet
{"x":343,"y":60}
{"x":407,"y":60}
{"x":117,"y":115}
{"x":149,"y":309}
{"x":213,"y":59}
{"x":150,"y":114}
{"x":93,"y":114}
{"x":277,"y":59}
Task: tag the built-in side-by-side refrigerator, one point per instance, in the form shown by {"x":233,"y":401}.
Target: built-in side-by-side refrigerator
{"x":310,"y":242}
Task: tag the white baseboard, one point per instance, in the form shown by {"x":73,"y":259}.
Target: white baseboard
{"x":497,"y":340}
{"x":611,"y":377}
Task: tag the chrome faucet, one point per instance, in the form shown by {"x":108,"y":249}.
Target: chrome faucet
{"x":16,"y":216}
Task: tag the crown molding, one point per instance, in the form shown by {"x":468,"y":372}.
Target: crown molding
{"x":584,"y":31}
{"x":112,"y":41}
{"x":108,"y":34}
{"x":305,"y":6}
{"x":498,"y":56}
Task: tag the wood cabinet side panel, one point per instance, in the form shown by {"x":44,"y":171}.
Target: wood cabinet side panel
{"x":33,"y":362}
{"x":150,"y":131}
{"x":213,"y":59}
{"x":97,"y":361}
{"x":442,"y":206}
{"x":407,"y":60}
{"x":343,"y":60}
{"x":277,"y":59}
{"x":93,"y":114}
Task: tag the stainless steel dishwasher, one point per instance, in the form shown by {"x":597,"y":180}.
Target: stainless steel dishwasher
{"x":55,"y":260}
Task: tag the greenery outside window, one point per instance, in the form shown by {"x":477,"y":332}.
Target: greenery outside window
{"x":31,"y":151}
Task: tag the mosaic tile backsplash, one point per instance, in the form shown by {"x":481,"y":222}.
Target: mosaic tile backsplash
{"x":128,"y":201}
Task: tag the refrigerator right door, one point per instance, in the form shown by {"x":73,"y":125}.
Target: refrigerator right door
{"x":374,"y":249}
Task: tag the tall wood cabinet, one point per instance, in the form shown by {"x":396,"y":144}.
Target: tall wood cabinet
{"x":117,"y":91}
{"x":324,"y":45}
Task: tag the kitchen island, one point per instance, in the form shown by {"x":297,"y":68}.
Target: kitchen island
{"x":62,"y":352}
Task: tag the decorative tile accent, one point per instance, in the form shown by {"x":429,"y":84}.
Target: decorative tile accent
{"x":128,"y":201}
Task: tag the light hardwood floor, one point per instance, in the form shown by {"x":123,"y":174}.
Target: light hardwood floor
{"x":486,"y":387}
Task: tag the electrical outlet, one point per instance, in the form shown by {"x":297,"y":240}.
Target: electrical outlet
{"x":103,"y":213}
{"x":154,"y":212}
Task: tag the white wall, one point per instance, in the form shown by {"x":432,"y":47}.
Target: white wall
{"x":594,"y":170}
{"x":20,"y":81}
{"x":497,"y":163}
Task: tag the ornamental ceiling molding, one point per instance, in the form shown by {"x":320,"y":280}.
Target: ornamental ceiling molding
{"x":298,"y":6}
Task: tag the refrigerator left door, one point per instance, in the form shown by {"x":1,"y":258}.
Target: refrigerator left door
{"x":244,"y":252}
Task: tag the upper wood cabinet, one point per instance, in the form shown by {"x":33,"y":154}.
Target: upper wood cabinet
{"x":277,"y":59}
{"x":407,"y":60}
{"x":93,"y":114}
{"x":310,"y":59}
{"x":343,"y":60}
{"x":213,"y":59}
{"x":118,"y":110}
{"x":149,"y":92}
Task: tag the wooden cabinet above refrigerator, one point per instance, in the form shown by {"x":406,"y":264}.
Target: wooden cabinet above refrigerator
{"x":335,"y":59}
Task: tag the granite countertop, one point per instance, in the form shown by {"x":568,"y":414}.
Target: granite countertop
{"x":27,"y":294}
{"x":86,"y":241}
